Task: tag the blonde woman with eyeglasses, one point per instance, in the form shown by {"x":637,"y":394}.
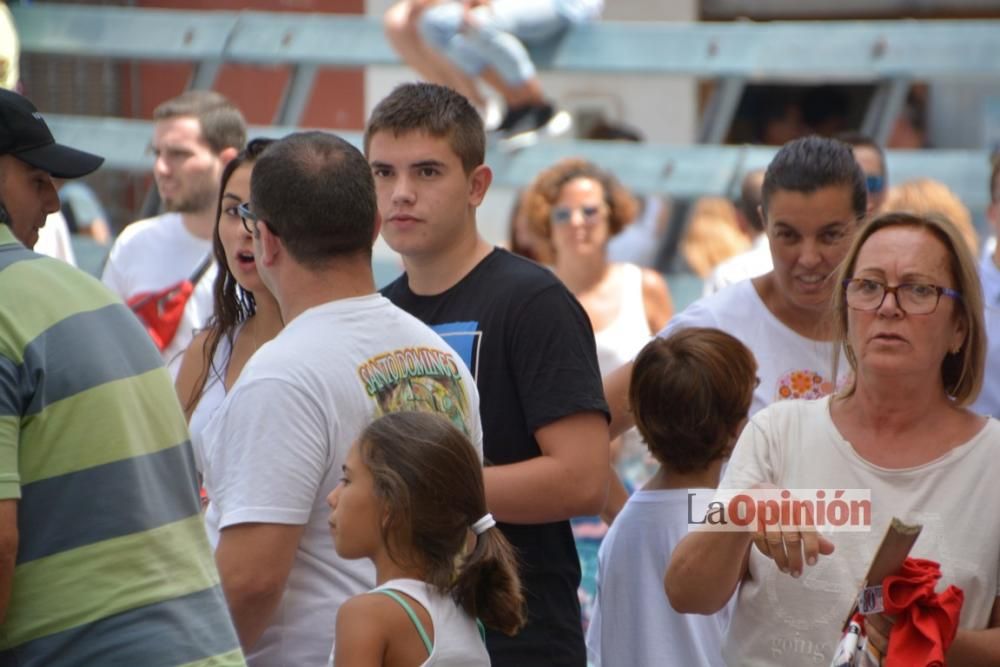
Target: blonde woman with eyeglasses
{"x":908,"y":316}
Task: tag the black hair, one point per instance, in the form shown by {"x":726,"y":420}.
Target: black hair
{"x":315,"y":191}
{"x":811,"y":163}
{"x":232,"y":305}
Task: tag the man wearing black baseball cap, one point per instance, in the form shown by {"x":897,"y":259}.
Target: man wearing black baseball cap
{"x":29,"y":158}
{"x":98,"y":488}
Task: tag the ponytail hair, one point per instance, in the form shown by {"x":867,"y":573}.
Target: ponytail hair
{"x":430,"y":482}
{"x":487,"y":585}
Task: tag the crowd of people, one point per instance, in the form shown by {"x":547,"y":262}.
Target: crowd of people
{"x":238,"y":451}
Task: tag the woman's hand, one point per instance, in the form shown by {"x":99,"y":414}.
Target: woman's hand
{"x":791,"y":546}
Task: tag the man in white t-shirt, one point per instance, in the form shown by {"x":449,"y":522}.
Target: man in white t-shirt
{"x":274,"y":450}
{"x":195,"y":135}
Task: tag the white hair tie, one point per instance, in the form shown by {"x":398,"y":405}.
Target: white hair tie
{"x":485,"y":523}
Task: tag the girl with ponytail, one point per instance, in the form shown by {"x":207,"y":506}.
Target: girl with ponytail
{"x":411,"y":499}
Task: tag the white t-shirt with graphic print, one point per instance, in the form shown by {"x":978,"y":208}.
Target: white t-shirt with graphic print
{"x":789,"y":364}
{"x":273,"y":451}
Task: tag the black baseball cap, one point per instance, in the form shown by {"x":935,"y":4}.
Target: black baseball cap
{"x":25,"y":135}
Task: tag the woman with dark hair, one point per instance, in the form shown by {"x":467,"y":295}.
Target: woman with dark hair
{"x":813,"y":200}
{"x":246,"y":315}
{"x":908,"y":318}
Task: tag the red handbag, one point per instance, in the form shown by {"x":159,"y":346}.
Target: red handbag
{"x":161,"y":312}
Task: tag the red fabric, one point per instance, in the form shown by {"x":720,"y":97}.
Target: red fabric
{"x":161,"y":312}
{"x":926,"y":622}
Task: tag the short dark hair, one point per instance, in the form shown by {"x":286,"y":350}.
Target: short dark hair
{"x":222,"y":124}
{"x":436,"y":110}
{"x":854,"y":139}
{"x":688,"y":393}
{"x":316,"y":192}
{"x":811,"y":163}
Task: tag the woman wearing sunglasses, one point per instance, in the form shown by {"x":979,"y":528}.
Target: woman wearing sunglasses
{"x":573,"y":209}
{"x":246,"y":315}
{"x":908,"y":317}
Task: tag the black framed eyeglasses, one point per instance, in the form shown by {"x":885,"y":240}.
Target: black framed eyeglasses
{"x":251,"y":220}
{"x":248,"y":217}
{"x":911,"y":298}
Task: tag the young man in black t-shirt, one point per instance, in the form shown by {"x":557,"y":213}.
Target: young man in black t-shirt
{"x":526,"y":340}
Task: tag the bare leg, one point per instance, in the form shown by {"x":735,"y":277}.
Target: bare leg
{"x":401,"y":29}
{"x":528,"y":93}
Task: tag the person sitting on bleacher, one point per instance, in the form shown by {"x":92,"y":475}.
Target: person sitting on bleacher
{"x":487,"y":39}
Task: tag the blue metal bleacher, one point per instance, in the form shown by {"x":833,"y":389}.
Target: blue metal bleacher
{"x":889,"y":54}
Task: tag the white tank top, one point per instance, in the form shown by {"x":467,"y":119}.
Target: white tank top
{"x":620,"y":341}
{"x":457,"y":641}
{"x":617,"y":344}
{"x":212,"y":395}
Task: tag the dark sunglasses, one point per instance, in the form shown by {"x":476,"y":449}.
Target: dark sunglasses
{"x":561,"y":215}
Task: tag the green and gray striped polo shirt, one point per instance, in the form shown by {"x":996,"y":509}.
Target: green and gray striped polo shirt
{"x":113,"y":565}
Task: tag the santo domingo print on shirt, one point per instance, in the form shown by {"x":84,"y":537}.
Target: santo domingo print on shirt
{"x":417,"y":379}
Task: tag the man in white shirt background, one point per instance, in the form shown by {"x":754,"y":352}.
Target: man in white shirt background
{"x":194,"y":136}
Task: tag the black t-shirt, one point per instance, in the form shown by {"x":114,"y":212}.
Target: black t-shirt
{"x":530,"y":346}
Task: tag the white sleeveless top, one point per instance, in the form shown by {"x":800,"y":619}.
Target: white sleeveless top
{"x":620,"y":341}
{"x":617,"y":344}
{"x":212,"y":395}
{"x":457,"y":642}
